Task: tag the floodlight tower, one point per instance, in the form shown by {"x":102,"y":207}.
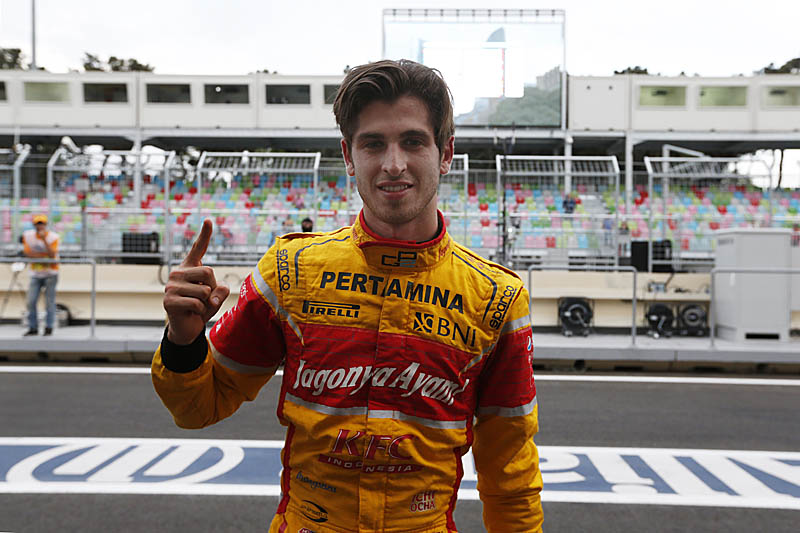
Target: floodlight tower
{"x":33,"y":35}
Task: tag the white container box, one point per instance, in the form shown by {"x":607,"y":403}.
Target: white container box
{"x":753,"y":306}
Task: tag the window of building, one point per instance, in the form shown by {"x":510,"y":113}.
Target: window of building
{"x":3,"y":91}
{"x":36,"y":91}
{"x":105,"y":92}
{"x":227,"y":94}
{"x":662,"y":95}
{"x":288,"y":94}
{"x":171,"y":93}
{"x":330,"y":93}
{"x":783,"y":96}
{"x":713,"y":96}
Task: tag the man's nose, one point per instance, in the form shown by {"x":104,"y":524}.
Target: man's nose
{"x":394,"y":160}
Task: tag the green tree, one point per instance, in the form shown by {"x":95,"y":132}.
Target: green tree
{"x":132,"y":65}
{"x":790,"y":67}
{"x":11,"y":59}
{"x":632,"y":70}
{"x":93,"y":63}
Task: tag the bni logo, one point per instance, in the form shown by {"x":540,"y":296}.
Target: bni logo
{"x":313,"y":307}
{"x":423,"y":322}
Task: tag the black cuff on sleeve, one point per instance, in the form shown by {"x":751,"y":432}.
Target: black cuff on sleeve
{"x":184,"y":359}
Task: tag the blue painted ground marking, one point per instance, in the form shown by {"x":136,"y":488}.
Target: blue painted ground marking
{"x":730,"y":478}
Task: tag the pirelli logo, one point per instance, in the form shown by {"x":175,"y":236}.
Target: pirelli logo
{"x":313,"y":307}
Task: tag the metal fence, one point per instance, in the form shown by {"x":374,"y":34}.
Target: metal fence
{"x":688,"y":198}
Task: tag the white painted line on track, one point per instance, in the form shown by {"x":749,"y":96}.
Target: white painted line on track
{"x":53,"y":369}
{"x":776,"y":382}
{"x":672,"y":379}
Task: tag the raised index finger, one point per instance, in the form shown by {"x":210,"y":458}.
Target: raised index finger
{"x":195,"y":255}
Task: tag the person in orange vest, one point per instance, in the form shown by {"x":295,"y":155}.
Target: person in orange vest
{"x":40,"y":242}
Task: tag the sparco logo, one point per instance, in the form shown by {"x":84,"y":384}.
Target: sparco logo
{"x":283,"y":269}
{"x":496,"y":320}
{"x":331,"y":309}
{"x":356,"y":377}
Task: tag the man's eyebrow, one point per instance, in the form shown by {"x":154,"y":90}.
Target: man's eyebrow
{"x":368,"y":135}
{"x":408,"y":133}
{"x":415,"y":133}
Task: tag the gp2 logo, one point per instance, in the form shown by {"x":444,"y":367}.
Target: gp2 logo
{"x":403,"y":259}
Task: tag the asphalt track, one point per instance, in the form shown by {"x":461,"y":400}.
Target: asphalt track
{"x":619,"y":454}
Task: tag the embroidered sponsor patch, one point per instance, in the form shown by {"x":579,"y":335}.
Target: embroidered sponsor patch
{"x":314,"y":484}
{"x":411,"y":380}
{"x":402,"y":259}
{"x":503,"y":304}
{"x":312,"y":307}
{"x":422,"y":502}
{"x":282,"y":260}
{"x":313,"y":511}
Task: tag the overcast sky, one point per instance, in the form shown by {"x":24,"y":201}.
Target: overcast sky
{"x":708,"y":37}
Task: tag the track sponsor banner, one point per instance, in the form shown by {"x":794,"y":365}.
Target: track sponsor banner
{"x":729,"y":478}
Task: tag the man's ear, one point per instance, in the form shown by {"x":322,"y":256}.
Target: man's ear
{"x":447,"y":156}
{"x":348,"y":159}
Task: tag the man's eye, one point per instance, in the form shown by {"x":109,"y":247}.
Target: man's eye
{"x":414,"y":142}
{"x":373,"y":144}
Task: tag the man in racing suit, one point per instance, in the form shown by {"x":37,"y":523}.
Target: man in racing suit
{"x":401,"y":348}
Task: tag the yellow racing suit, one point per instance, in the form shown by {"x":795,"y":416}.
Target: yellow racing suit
{"x":397,"y":358}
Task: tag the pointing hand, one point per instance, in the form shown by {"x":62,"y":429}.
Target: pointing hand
{"x":192,"y":295}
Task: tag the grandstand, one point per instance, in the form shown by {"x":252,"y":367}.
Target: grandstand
{"x":514,"y":213}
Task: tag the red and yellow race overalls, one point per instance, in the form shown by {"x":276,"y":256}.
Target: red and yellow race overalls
{"x":397,"y":358}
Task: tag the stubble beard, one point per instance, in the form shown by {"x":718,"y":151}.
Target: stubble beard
{"x":399,"y":212}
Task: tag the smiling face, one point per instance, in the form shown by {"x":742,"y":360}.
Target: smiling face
{"x":396,"y":163}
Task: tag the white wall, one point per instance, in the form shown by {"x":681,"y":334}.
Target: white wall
{"x":594,"y":104}
{"x":612,"y":103}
